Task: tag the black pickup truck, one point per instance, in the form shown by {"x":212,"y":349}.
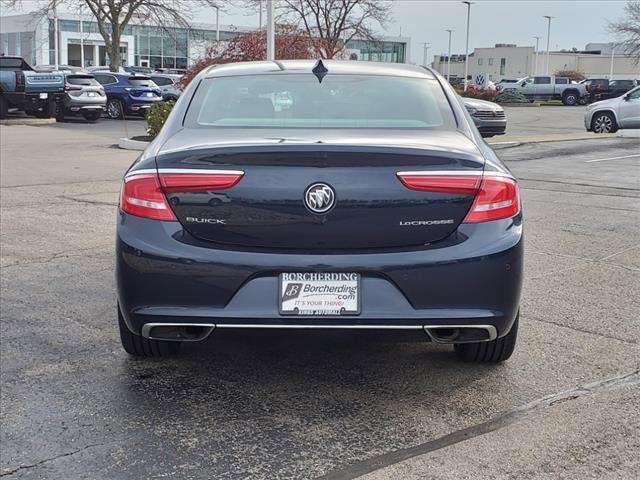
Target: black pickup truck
{"x":22,"y":88}
{"x":603,"y":89}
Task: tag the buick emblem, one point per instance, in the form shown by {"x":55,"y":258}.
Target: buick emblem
{"x":320,"y":198}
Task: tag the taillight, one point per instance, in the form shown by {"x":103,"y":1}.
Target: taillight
{"x":428,"y":182}
{"x":497,"y":198}
{"x":142,"y":196}
{"x":72,"y":87}
{"x":192,"y":182}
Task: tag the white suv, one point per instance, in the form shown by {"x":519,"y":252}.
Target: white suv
{"x":610,"y":115}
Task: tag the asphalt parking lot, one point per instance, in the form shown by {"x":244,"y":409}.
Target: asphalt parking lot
{"x":263,"y":406}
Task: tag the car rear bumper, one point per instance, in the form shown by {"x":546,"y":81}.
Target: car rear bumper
{"x":165,"y":276}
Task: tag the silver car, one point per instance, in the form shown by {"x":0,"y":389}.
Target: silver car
{"x":607,"y":116}
{"x":489,"y":117}
{"x":84,"y":96}
{"x":168,"y":84}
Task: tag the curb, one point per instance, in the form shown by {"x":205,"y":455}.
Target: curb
{"x":28,"y":121}
{"x":630,"y":133}
{"x":128,"y":144}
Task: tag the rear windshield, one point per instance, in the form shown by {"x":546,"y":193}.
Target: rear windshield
{"x":300,"y":101}
{"x":139,"y":81}
{"x":85,"y":80}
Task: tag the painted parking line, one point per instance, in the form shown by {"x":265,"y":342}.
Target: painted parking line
{"x":612,"y":158}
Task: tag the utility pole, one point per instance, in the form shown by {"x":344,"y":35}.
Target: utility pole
{"x":466,"y":48}
{"x":611,"y":67}
{"x":56,"y":47}
{"x":425,"y":56}
{"x":535,"y":55}
{"x":217,"y":24}
{"x":271,"y":32}
{"x":548,"y":37}
{"x":81,"y":37}
{"x":449,"y":57}
{"x":260,"y":15}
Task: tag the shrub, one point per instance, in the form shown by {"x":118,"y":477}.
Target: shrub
{"x":511,"y":96}
{"x":479,"y":93}
{"x":572,"y":74}
{"x":157,"y":116}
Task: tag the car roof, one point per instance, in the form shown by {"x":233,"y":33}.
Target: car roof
{"x":333,"y":66}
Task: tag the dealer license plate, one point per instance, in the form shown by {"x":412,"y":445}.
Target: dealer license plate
{"x":319,"y":294}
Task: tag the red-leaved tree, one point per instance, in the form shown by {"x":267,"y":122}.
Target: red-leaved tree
{"x":290,"y":44}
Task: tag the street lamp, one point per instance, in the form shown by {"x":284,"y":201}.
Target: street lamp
{"x":466,"y":49}
{"x":548,"y":35}
{"x":449,"y":57}
{"x":271,"y":32}
{"x":217,"y":23}
{"x":425,"y":56}
{"x":535,"y":55}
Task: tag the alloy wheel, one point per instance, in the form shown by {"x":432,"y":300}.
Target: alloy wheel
{"x":114,"y":110}
{"x":603,"y":124}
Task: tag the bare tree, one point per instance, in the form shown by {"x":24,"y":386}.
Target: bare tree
{"x":332,"y":23}
{"x":627,"y":30}
{"x":113,"y":16}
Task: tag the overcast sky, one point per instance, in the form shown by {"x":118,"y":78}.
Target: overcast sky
{"x":575,"y":23}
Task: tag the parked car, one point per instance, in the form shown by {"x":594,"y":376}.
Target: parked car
{"x":171,"y":71}
{"x":608,"y":116}
{"x":128,"y":94}
{"x":602,"y":89}
{"x":489,"y":117}
{"x":139,"y":70}
{"x":22,"y":88}
{"x":84,"y":96}
{"x":60,"y":68}
{"x":548,"y":87}
{"x":103,"y":68}
{"x":365,"y":201}
{"x":168,"y":83}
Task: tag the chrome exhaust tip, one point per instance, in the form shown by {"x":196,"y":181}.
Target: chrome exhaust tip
{"x":177,"y":332}
{"x":451,"y":334}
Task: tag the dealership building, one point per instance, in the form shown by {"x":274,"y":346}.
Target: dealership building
{"x":145,"y":45}
{"x":514,"y":62}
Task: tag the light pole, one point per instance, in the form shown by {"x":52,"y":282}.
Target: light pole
{"x":56,"y":46}
{"x":548,"y":35}
{"x":81,"y":37}
{"x":611,"y":66}
{"x":217,"y":24}
{"x":271,"y":41}
{"x":425,"y":56}
{"x":535,"y":55}
{"x":466,"y":48}
{"x":449,"y":57}
{"x":260,"y":15}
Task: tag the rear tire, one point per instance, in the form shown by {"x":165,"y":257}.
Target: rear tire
{"x":114,"y":109}
{"x":138,"y":346}
{"x":92,"y":116}
{"x":4,"y":107}
{"x":495,"y":351}
{"x":570,"y":99}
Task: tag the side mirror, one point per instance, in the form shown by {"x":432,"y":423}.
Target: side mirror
{"x":627,"y":97}
{"x":523,"y":84}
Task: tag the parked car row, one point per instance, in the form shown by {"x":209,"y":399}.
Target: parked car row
{"x":67,"y":91}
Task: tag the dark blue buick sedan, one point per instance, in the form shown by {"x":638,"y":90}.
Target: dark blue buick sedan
{"x":311,"y":195}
